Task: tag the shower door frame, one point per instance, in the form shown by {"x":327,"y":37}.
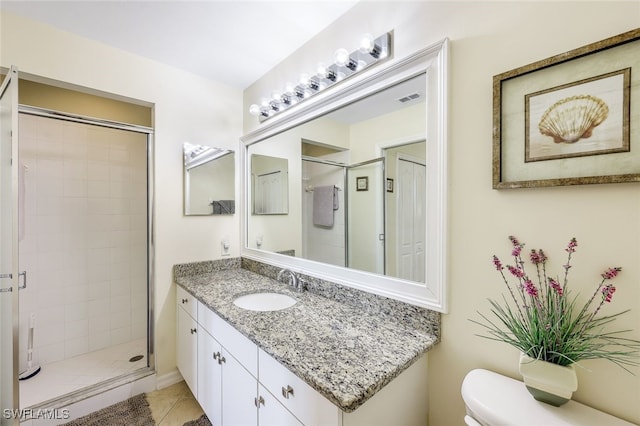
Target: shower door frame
{"x":150,"y":369}
{"x":10,"y":395}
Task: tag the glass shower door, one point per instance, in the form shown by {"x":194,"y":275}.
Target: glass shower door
{"x":9,"y":392}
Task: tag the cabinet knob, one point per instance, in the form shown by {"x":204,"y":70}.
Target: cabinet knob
{"x":221,"y":359}
{"x":193,"y":331}
{"x":287,"y":392}
{"x":258,"y":401}
{"x":216,"y":355}
{"x":185,"y":300}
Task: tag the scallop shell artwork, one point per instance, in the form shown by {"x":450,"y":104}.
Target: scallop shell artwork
{"x":573,"y":118}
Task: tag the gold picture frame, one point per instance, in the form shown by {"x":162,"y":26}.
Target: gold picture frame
{"x":570,"y":119}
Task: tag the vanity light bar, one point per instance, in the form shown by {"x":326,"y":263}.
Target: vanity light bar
{"x":370,"y":52}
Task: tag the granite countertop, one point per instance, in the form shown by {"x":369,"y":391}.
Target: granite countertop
{"x":345,"y":352}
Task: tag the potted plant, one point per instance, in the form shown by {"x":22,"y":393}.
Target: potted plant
{"x":551,"y":328}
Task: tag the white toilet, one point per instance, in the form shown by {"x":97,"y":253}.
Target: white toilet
{"x":493,"y":399}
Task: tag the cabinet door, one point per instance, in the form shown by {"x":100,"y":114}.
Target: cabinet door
{"x":271,"y":412}
{"x":186,"y":349}
{"x":239,"y":390}
{"x":209,"y":376}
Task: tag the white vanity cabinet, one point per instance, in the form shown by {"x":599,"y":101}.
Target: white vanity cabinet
{"x":296,"y":395}
{"x":187,"y":338}
{"x":226,"y":389}
{"x":238,"y":384}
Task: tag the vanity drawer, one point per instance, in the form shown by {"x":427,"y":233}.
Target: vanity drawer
{"x":187,"y":302}
{"x":242,"y":349}
{"x":309,"y":406}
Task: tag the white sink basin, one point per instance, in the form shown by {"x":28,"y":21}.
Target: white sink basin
{"x":265,"y":301}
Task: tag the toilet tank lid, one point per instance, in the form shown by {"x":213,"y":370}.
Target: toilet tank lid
{"x":494,"y":399}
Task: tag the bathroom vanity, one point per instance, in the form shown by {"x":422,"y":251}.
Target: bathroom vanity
{"x":336,"y":357}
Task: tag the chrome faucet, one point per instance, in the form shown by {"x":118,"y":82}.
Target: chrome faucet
{"x":293,"y":279}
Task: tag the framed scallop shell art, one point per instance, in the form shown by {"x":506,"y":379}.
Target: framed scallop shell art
{"x":570,"y":119}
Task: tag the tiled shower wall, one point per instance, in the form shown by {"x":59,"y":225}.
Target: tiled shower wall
{"x":83,"y":237}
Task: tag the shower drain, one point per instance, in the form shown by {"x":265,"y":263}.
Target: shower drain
{"x":136,"y":358}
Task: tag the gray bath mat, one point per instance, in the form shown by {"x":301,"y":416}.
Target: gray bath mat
{"x":202,"y":421}
{"x":134,"y":411}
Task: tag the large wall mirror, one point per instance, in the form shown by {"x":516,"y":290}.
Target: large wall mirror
{"x":366,"y":184}
{"x":209,"y":180}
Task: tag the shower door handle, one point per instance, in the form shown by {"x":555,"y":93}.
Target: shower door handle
{"x":24,"y":281}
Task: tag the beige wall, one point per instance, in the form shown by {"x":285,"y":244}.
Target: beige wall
{"x":186,"y":108}
{"x":488,"y":38}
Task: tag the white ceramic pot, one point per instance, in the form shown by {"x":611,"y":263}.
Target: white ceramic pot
{"x":547,"y":382}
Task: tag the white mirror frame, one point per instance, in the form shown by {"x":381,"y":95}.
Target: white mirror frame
{"x":434,"y":61}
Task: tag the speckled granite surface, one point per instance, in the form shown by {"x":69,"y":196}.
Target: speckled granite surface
{"x":345,"y":344}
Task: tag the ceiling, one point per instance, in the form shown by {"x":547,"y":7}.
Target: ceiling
{"x":232,"y":42}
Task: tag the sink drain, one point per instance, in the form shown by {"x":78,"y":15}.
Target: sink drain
{"x":136,"y":358}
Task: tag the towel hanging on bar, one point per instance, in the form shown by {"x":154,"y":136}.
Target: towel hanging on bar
{"x":324,"y":203}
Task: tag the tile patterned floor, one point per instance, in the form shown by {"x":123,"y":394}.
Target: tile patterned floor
{"x":173,"y":405}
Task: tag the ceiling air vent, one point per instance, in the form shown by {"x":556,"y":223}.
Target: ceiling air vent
{"x":409,"y":97}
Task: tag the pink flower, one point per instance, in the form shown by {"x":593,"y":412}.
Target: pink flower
{"x":530,"y":288}
{"x":554,"y":284}
{"x":610,"y":273}
{"x":517,"y":247}
{"x":537,"y":257}
{"x":571,"y":247}
{"x":497,"y":263}
{"x":607,"y":292}
{"x":516,"y":272}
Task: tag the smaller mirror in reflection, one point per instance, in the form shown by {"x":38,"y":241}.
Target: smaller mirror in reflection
{"x":270,"y":176}
{"x":209,"y":180}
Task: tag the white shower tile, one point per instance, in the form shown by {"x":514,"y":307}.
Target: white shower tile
{"x":99,"y":340}
{"x":76,"y":346}
{"x":97,"y":170}
{"x":121,"y":335}
{"x":98,"y":256}
{"x":75,"y":169}
{"x":49,"y":168}
{"x":75,"y":187}
{"x":118,"y":154}
{"x":120,"y":321}
{"x":76,"y":294}
{"x":99,"y":206}
{"x":119,"y":271}
{"x":120,"y":238}
{"x":49,"y":334}
{"x":120,"y":222}
{"x":50,"y":315}
{"x":97,"y":274}
{"x":98,"y":239}
{"x":119,"y":305}
{"x":76,"y":207}
{"x":99,"y":308}
{"x":50,"y":205}
{"x":99,"y":222}
{"x":50,"y":297}
{"x":98,"y":189}
{"x":52,"y":353}
{"x":120,"y":288}
{"x":76,"y":312}
{"x":99,"y":291}
{"x":100,"y":324}
{"x":74,"y":330}
{"x":50,"y":242}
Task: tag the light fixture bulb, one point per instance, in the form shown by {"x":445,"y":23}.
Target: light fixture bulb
{"x":275,"y":96}
{"x":304,"y":79}
{"x":322,"y":69}
{"x":264,"y":103}
{"x":341,"y":57}
{"x":254,"y":109}
{"x":367,"y":43}
{"x":289,"y":89}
